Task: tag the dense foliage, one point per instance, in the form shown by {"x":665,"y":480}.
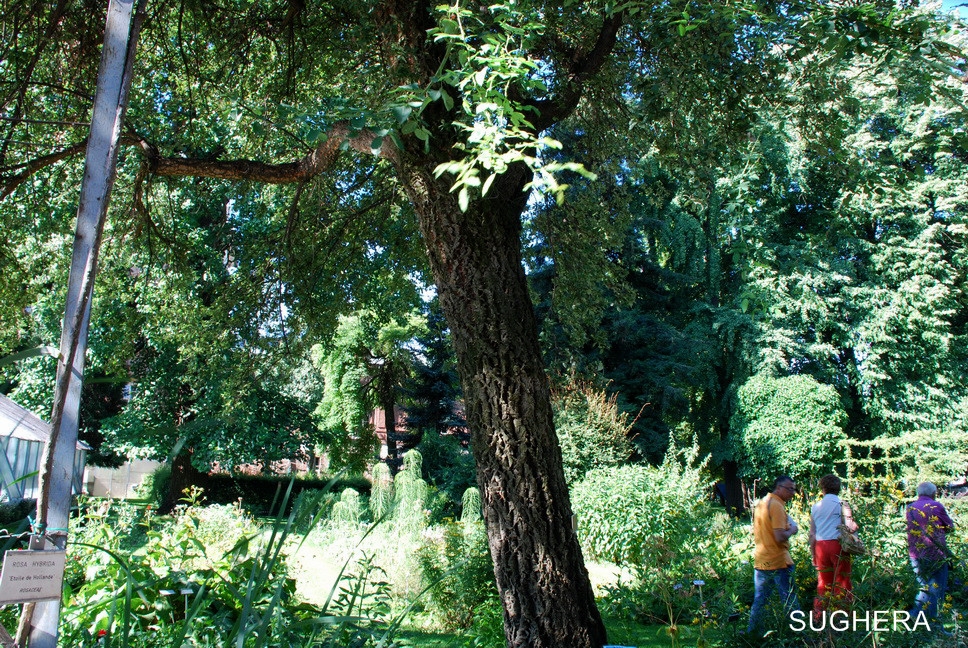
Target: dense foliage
{"x":788,"y":426}
{"x":628,"y":513}
{"x":592,"y":432}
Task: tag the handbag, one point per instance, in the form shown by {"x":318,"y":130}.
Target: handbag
{"x":850,"y":542}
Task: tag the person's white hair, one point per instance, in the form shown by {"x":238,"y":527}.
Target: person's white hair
{"x":928,"y":489}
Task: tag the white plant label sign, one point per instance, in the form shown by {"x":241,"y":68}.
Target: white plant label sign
{"x":31,"y":576}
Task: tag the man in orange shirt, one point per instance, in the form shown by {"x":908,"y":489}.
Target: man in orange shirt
{"x":772,"y":529}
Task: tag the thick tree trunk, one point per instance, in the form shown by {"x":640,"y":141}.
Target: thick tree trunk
{"x":735,"y":499}
{"x":476,"y":261}
{"x":183,"y":476}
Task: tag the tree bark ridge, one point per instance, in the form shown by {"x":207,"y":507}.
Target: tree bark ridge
{"x":477,"y":265}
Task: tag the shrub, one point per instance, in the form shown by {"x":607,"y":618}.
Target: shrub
{"x":241,"y":596}
{"x":391,"y":539}
{"x":698,"y":576}
{"x":410,"y":515}
{"x":487,"y":630}
{"x":447,"y":465}
{"x":312,"y":504}
{"x":204,"y":550}
{"x":347,"y":510}
{"x":790,"y":425}
{"x":154,"y":486}
{"x":381,"y":493}
{"x":699,"y":572}
{"x":592,"y":432}
{"x":471,"y":506}
{"x":457,"y":567}
{"x":626,"y":511}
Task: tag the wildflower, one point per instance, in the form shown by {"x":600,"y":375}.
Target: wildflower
{"x":699,"y":583}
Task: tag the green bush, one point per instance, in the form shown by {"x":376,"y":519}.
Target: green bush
{"x":381,"y":493}
{"x":487,"y":630}
{"x":154,"y":486}
{"x":457,"y":567}
{"x":791,"y":425}
{"x":312,"y":504}
{"x":592,"y":432}
{"x":698,"y":574}
{"x":658,"y":525}
{"x":448,"y":466}
{"x":411,"y":492}
{"x":625,"y":512}
{"x":127,"y":593}
{"x":240,"y":593}
{"x":348,"y":510}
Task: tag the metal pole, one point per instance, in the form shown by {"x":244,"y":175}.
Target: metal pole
{"x":57,"y":468}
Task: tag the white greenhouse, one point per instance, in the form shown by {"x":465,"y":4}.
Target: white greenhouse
{"x":23,"y":436}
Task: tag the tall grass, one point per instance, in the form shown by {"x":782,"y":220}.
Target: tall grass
{"x":242,"y":598}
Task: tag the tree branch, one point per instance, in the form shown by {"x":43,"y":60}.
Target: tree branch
{"x":317,"y":161}
{"x":309,"y":166}
{"x":9,"y":183}
{"x":583,"y":68}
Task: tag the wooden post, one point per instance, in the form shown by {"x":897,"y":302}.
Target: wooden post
{"x":57,"y":467}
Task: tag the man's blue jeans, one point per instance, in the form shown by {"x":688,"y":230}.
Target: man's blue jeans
{"x":933,"y":585}
{"x":764,"y":581}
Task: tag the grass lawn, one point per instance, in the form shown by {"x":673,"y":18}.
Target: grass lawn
{"x":420,"y":639}
{"x":620,"y":633}
{"x":623,"y":632}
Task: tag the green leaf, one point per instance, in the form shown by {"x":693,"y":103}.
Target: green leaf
{"x":487,"y":184}
{"x":30,"y":353}
{"x":463,"y":199}
{"x":401,"y":113}
{"x":448,"y":100}
{"x":449,"y":26}
{"x":376,"y":145}
{"x":422,"y":134}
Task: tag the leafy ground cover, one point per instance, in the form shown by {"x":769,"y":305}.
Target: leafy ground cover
{"x":669,"y":567}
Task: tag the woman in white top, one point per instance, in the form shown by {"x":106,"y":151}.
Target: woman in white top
{"x":833,"y":566}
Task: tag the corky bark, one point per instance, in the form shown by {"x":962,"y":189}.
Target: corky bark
{"x":476,"y":260}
